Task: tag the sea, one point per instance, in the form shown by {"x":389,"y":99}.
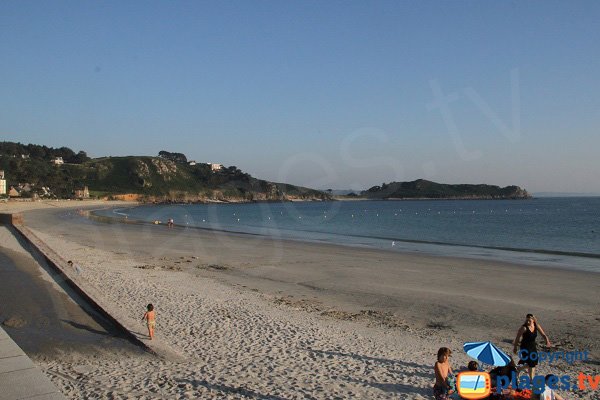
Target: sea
{"x":551,"y":232}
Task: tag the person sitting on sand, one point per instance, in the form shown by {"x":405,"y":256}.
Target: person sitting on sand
{"x":471,"y":366}
{"x":506,"y":370}
{"x":443,"y":373}
{"x":549,"y":393}
{"x":525,"y":341}
{"x":150,"y":317}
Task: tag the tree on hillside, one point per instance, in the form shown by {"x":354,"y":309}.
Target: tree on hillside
{"x":10,"y":148}
{"x":78,"y":158}
{"x":235,"y":172}
{"x":175,"y":157}
{"x":64,"y":152}
{"x":38,"y":152}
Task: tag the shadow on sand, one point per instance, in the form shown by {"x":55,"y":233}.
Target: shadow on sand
{"x":395,"y":387}
{"x":238,"y":391}
{"x":424,"y":371}
{"x":383,"y":361}
{"x":85,"y":327}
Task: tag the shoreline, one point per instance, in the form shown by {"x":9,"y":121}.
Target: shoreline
{"x":89,"y":209}
{"x":101,"y":218}
{"x":569,"y":261}
{"x":247,"y":309}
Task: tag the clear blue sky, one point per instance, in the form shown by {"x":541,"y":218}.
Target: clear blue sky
{"x":325,"y":94}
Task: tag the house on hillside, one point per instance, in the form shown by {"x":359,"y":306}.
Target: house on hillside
{"x":57,"y":161}
{"x":82,"y":193}
{"x":13,"y":192}
{"x":2,"y":183}
{"x":192,"y":162}
{"x":22,"y":190}
{"x":215,"y":167}
{"x":25,"y":187}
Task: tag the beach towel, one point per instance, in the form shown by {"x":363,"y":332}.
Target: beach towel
{"x":525,"y":394}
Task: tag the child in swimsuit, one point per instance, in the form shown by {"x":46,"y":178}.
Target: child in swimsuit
{"x":150,"y":317}
{"x":443,"y":387}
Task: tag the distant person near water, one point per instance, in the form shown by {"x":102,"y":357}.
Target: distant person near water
{"x":150,"y":317}
{"x":525,"y":342}
{"x":170,"y":224}
{"x":443,"y":387}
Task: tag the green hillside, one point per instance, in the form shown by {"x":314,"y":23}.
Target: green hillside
{"x":165,"y":178}
{"x":423,"y":189}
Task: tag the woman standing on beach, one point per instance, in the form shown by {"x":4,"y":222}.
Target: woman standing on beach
{"x":525,"y":341}
{"x":442,"y":389}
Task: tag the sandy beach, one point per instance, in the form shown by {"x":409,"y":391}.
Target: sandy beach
{"x":253,"y":317}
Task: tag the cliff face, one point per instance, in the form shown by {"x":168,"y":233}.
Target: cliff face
{"x":154,"y":179}
{"x":214,"y":197}
{"x":217,"y":196}
{"x":515,"y":192}
{"x":423,"y":189}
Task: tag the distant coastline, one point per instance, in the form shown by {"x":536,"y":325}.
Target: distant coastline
{"x":564,"y":194}
{"x":40,"y":172}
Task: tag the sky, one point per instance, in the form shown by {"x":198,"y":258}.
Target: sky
{"x":324,"y":94}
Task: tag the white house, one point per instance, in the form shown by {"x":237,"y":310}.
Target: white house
{"x":82,"y":193}
{"x":215,"y":167}
{"x":57,"y":161}
{"x":192,"y":162}
{"x":2,"y":183}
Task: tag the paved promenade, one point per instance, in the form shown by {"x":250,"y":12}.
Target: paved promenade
{"x":20,"y":378}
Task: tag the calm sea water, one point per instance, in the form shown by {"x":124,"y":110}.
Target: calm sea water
{"x":547,"y":231}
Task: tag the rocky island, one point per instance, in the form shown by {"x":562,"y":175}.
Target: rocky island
{"x":423,"y":189}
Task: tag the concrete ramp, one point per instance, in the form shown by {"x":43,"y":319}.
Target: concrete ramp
{"x":20,"y":378}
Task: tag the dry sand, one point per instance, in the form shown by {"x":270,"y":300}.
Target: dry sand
{"x":258,"y":318}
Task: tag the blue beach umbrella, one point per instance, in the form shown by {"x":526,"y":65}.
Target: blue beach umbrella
{"x":487,"y":353}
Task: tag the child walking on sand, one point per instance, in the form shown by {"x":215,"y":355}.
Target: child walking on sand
{"x":150,"y":317}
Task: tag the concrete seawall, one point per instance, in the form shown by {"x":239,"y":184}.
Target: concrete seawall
{"x":11,"y":219}
{"x":20,"y":378}
{"x":90,"y":294}
{"x":59,"y":264}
